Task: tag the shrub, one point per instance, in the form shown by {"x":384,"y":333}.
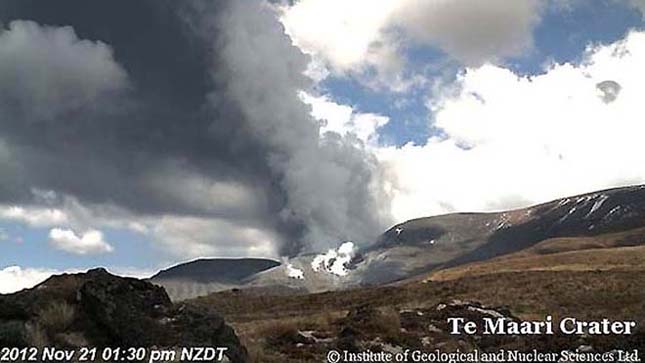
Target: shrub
{"x":57,"y":317}
{"x":37,"y":336}
{"x":13,"y":334}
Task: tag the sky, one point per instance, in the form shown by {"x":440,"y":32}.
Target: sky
{"x":138,"y":134}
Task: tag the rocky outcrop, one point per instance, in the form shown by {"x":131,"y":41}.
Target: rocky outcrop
{"x":97,"y":309}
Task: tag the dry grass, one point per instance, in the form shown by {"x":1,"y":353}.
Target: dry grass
{"x":267,"y":338}
{"x":630,"y":238}
{"x":605,"y":259}
{"x":257,"y":354}
{"x":386,"y":323}
{"x":37,"y":336}
{"x":56,"y":317}
{"x":588,"y":284}
{"x":275,"y":329}
{"x":262,"y":328}
{"x":534,"y":286}
{"x":389,"y":323}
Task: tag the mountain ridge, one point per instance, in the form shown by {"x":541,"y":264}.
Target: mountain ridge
{"x":419,"y":246}
{"x":195,"y":269}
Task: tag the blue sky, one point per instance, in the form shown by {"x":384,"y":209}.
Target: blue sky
{"x":560,"y":35}
{"x":29,"y":247}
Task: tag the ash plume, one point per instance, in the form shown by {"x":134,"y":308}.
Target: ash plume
{"x":196,"y":115}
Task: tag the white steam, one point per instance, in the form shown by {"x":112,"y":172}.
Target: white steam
{"x":335,"y":261}
{"x":295,"y":273}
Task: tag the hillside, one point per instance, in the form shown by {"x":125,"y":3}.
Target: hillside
{"x":413,"y":249}
{"x":581,"y":257}
{"x":623,"y":259}
{"x":587,"y":284}
{"x":206,"y":275}
{"x":419,"y":246}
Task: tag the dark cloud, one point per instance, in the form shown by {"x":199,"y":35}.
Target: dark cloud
{"x":610,"y":90}
{"x":46,"y":73}
{"x":182,"y":108}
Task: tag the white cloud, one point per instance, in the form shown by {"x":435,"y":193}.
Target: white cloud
{"x":70,"y":213}
{"x":90,"y":242}
{"x":35,"y":216}
{"x":344,"y":120}
{"x":186,"y":237}
{"x":3,"y":235}
{"x":511,"y":141}
{"x":15,"y":278}
{"x":180,"y":237}
{"x":339,"y":31}
{"x":350,"y":36}
{"x":194,"y":237}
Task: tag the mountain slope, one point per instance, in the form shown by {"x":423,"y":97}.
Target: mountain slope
{"x":623,"y":259}
{"x":422,"y":245}
{"x":206,"y":275}
{"x":216,"y":270}
{"x":272,"y":327}
{"x":609,"y":218}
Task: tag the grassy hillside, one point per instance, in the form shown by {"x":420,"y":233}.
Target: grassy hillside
{"x":588,"y":284}
{"x":605,"y":259}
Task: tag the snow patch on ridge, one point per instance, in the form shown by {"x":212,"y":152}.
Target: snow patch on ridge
{"x":597,"y":205}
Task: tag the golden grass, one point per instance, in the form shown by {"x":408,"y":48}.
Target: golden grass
{"x":548,"y":279}
{"x":605,"y":259}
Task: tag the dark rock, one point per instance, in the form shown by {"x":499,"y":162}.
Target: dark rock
{"x":194,"y":328}
{"x":349,"y":332}
{"x":348,"y":339}
{"x":126,"y":310}
{"x":110,"y":311}
{"x":291,"y":338}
